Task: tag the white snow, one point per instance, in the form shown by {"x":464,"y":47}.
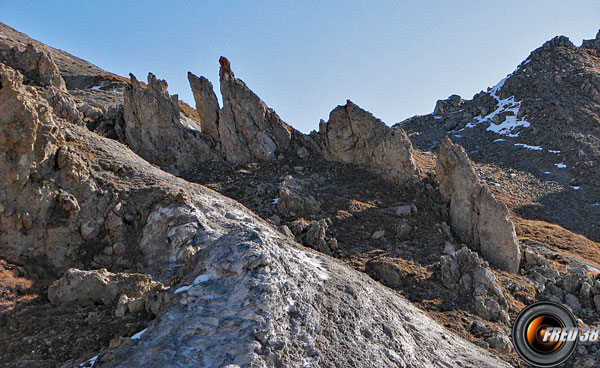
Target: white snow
{"x":553,"y":151}
{"x":526,"y":62}
{"x":90,"y":363}
{"x":138,"y":335}
{"x":96,"y":87}
{"x":437,"y":117}
{"x":507,"y":105}
{"x":276,"y":200}
{"x":533,"y":148}
{"x":547,"y":172}
{"x":596,"y":205}
{"x":575,"y":188}
{"x":457,"y":136}
{"x":561,"y":165}
{"x":198,"y":280}
{"x":580,"y":74}
{"x":499,"y":140}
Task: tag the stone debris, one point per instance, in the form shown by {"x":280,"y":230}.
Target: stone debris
{"x":294,"y":198}
{"x":465,"y":272}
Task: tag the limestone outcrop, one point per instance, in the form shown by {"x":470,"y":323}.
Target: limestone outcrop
{"x":353,"y":135}
{"x":246,"y":127}
{"x":155,"y":130}
{"x":476,"y":216}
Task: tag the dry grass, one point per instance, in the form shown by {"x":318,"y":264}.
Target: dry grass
{"x":188,"y":111}
{"x":558,"y":238}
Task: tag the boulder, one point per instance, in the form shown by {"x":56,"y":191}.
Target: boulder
{"x":294,"y":198}
{"x":475,"y":215}
{"x":353,"y":135}
{"x":97,"y":286}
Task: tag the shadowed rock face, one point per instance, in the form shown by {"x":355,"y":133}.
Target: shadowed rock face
{"x":255,"y":297}
{"x":476,"y":216}
{"x":154,"y":129}
{"x":354,"y":135}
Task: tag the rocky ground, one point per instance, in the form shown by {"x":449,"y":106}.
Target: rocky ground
{"x":105,"y":254}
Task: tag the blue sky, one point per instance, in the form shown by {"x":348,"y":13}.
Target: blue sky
{"x":303,"y":58}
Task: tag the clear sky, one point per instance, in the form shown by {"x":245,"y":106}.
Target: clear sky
{"x":303,"y":58}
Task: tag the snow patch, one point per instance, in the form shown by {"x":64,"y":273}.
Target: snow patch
{"x":553,"y":151}
{"x":198,"y":280}
{"x":275,"y":200}
{"x":575,"y":187}
{"x":547,"y":172}
{"x":138,"y":335}
{"x":561,"y":165}
{"x":499,"y":140}
{"x":89,"y":363}
{"x":533,"y":148}
{"x":505,"y":106}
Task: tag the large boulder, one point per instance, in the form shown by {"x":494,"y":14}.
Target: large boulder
{"x":353,"y":135}
{"x":97,"y":286}
{"x":475,"y":215}
{"x":155,"y":130}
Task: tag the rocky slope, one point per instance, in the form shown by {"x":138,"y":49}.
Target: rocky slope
{"x":102,"y":246}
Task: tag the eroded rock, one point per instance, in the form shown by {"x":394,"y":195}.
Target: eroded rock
{"x":354,"y":135}
{"x":475,"y":215}
{"x":155,"y":131}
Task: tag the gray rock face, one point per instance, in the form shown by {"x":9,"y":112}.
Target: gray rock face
{"x":476,"y":216}
{"x":89,"y":287}
{"x":207,"y":104}
{"x":258,"y":302}
{"x":354,"y":135}
{"x":155,"y":130}
{"x":248,"y":129}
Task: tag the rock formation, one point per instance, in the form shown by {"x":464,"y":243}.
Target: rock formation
{"x":247,"y":128}
{"x":476,"y":216}
{"x":75,"y":199}
{"x":155,"y":130}
{"x":36,"y":65}
{"x":207,"y":105}
{"x":354,"y":135}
